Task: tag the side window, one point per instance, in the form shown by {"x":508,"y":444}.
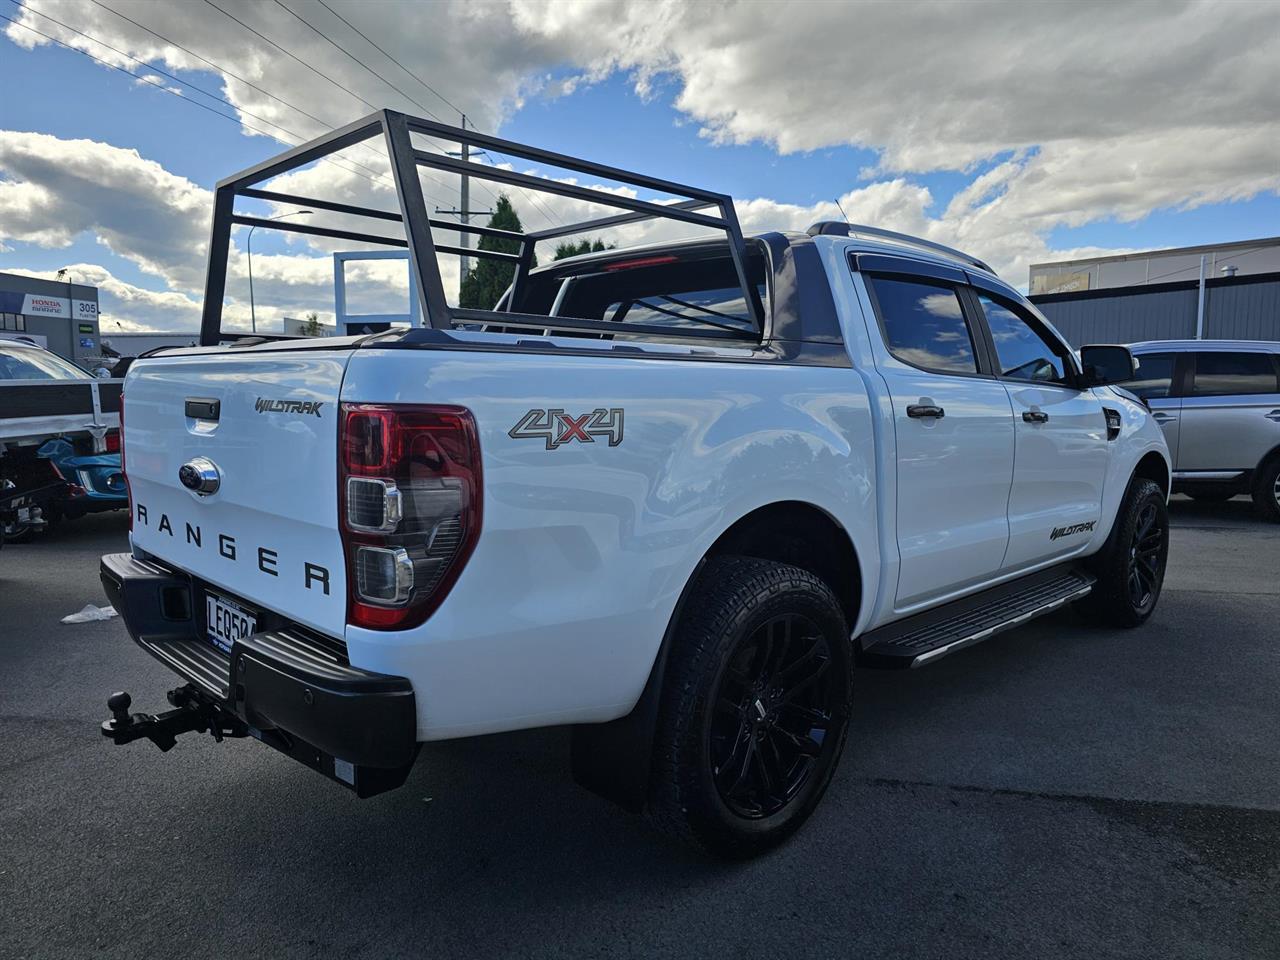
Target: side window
{"x":1023,"y":354}
{"x":924,"y":325}
{"x":1228,"y":374}
{"x":1155,"y":376}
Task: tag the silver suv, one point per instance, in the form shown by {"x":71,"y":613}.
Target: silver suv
{"x":1218,"y":402}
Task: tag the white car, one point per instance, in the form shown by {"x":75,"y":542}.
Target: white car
{"x":626,"y":501}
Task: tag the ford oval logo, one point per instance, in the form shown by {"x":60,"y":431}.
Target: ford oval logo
{"x":200,"y":476}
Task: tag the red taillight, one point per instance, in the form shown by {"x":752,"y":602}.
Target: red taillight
{"x":112,"y":441}
{"x":409,"y":508}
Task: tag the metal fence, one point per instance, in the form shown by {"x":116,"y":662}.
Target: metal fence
{"x":1235,"y":308}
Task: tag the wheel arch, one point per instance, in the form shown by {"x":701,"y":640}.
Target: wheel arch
{"x":1267,"y":459}
{"x":614,"y":759}
{"x":803,"y":535}
{"x":1155,"y":468}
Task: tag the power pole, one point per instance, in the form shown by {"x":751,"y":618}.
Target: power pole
{"x":465,"y":213}
{"x":465,"y":242}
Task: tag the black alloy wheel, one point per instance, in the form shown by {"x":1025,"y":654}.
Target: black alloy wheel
{"x":755,"y":706}
{"x":1147,"y":551}
{"x":774,"y":709}
{"x":1130,"y":566}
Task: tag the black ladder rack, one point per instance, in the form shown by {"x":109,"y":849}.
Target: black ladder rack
{"x":396,"y":129}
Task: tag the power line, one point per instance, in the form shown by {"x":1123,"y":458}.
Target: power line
{"x":292,"y":56}
{"x":531,"y":197}
{"x":352,"y":57}
{"x":249,"y":83}
{"x":304,"y":63}
{"x":187,"y":83}
{"x":441,"y":97}
{"x":147,"y":80}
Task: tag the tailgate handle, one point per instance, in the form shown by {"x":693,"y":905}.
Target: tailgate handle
{"x":199,"y":408}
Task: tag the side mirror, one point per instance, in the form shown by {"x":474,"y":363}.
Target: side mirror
{"x":1106,"y":363}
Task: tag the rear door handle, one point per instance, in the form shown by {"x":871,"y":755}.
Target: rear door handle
{"x":1273,"y":415}
{"x":1035,"y":416}
{"x":920,"y":411}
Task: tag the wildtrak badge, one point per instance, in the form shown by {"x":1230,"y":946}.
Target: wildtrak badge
{"x":263,"y":405}
{"x":1073,"y":529}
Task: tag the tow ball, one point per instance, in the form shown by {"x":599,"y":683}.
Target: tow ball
{"x":192,"y":713}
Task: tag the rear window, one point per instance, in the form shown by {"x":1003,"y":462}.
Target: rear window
{"x":1229,"y":374}
{"x":924,"y":325}
{"x":675,"y":290}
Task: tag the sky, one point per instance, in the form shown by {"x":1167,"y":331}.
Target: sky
{"x":1019,"y":132}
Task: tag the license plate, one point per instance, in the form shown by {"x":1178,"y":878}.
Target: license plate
{"x":228,"y":621}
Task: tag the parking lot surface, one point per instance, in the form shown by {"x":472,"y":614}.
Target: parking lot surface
{"x":1059,"y":790}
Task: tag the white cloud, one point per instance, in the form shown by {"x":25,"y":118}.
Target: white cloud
{"x":54,"y":190}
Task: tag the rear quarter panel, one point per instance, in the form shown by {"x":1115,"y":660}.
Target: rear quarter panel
{"x":585,"y":548}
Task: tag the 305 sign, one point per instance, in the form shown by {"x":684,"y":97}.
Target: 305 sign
{"x":556,"y":428}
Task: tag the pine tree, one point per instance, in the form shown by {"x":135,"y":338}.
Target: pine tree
{"x":489,"y":279}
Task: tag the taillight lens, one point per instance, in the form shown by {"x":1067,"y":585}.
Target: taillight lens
{"x":112,"y":441}
{"x":410,"y":508}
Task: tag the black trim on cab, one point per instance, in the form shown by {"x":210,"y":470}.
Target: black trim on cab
{"x":293,"y":688}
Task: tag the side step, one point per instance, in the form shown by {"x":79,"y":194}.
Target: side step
{"x":925,"y":637}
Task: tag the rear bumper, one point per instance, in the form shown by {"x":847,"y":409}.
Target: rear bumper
{"x":292,"y":687}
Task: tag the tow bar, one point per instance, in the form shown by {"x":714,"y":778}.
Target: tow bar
{"x":193,"y":712}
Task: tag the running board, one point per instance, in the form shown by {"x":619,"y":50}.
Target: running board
{"x":925,"y":637}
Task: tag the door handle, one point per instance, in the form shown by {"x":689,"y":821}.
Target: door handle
{"x":1163,"y":418}
{"x":1035,"y":416}
{"x":920,"y":411}
{"x":1273,"y":415}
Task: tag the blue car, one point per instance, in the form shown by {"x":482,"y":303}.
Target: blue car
{"x":38,"y":425}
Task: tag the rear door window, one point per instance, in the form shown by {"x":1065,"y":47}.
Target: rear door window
{"x":924,"y":325}
{"x":1231,"y":374}
{"x":1155,"y":376}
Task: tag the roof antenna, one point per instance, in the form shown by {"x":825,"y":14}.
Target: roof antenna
{"x":843,"y":214}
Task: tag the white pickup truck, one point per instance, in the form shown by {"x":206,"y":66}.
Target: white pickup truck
{"x":670,"y":496}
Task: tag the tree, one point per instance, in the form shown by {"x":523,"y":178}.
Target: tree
{"x":570,"y":249}
{"x":489,"y":279}
{"x":311,"y":326}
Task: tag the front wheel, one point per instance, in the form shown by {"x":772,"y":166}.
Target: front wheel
{"x":1130,"y":567}
{"x":1266,"y":491}
{"x":755,"y":707}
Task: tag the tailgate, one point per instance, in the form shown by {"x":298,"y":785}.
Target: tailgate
{"x":269,"y":533}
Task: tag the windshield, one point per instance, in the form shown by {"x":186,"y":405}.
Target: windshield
{"x":31,"y":363}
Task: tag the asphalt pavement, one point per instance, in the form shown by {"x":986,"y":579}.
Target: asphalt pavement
{"x":1058,"y":791}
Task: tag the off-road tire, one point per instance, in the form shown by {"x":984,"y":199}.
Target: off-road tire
{"x":1113,"y":602}
{"x":1266,"y":491}
{"x":737,"y":605}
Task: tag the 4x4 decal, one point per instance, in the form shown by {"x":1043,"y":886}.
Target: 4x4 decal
{"x":555,"y":427}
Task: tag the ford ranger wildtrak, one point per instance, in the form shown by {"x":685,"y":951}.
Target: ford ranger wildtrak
{"x":669,"y":496}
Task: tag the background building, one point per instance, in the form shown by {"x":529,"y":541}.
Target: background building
{"x":64,"y":314}
{"x":1159,"y":295}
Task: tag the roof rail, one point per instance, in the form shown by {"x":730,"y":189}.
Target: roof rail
{"x":840,"y":228}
